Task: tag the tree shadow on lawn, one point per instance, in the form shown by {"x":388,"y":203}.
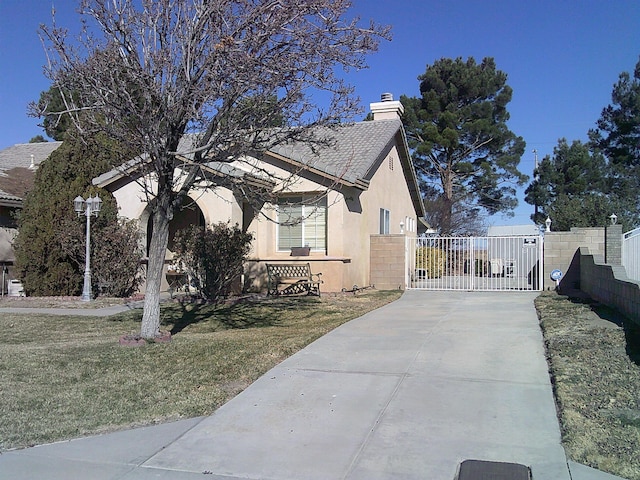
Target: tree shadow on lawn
{"x":241,"y":314}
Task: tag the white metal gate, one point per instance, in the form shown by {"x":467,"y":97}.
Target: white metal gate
{"x":475,"y":263}
{"x":631,"y":254}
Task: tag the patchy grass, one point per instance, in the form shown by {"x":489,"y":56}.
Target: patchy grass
{"x":60,"y":302}
{"x":64,"y":377}
{"x":594,"y":358}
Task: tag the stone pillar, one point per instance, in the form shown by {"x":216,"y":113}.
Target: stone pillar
{"x":387,"y":262}
{"x":613,"y":245}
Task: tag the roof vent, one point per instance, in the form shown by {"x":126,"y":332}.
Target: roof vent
{"x":33,"y":163}
{"x":386,"y":97}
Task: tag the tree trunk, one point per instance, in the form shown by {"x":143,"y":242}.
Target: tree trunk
{"x":150,"y":327}
{"x":447,"y":211}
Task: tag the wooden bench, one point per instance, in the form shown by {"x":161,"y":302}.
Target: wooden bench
{"x":296,"y":278}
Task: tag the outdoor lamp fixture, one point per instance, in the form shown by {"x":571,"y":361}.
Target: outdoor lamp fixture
{"x":547,"y":222}
{"x":613,"y":218}
{"x":401,"y":227}
{"x":90,"y":206}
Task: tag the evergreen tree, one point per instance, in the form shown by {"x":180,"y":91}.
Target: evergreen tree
{"x":55,"y":125}
{"x":50,"y":243}
{"x":573,"y":188}
{"x":461,"y":143}
{"x":617,"y":136}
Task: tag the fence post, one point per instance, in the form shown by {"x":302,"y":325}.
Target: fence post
{"x":613,"y":245}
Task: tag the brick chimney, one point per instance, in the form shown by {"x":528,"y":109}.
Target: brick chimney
{"x":386,"y":108}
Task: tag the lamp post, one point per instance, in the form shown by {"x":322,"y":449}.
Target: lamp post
{"x":90,"y":206}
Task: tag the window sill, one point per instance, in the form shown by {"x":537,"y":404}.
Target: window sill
{"x":310,"y":258}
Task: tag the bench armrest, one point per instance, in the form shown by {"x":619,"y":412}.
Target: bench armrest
{"x":317,"y":277}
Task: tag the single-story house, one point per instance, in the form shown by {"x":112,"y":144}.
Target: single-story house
{"x":361,"y":183}
{"x":18,"y":164}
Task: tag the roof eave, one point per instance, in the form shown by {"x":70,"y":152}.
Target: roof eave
{"x":410,"y":174}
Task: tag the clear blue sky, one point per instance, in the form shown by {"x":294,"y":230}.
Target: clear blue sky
{"x":562,"y":58}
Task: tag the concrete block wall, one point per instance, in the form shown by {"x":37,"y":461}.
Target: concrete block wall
{"x":609,"y":284}
{"x":613,"y":245}
{"x":561,"y":252}
{"x":387,"y":261}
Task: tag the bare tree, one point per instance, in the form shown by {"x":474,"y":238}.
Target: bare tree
{"x":153,"y":72}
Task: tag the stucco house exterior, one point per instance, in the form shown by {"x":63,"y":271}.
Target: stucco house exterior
{"x":18,"y":164}
{"x":360,"y":184}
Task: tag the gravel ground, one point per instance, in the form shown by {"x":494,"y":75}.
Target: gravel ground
{"x":594,"y":360}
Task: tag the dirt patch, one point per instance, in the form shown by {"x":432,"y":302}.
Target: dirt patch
{"x":594,"y":360}
{"x":61,"y":302}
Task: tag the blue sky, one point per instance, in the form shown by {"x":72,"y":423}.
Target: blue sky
{"x":562,"y":58}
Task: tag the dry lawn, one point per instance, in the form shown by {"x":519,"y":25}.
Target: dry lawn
{"x":594,"y":358}
{"x":67,"y":376}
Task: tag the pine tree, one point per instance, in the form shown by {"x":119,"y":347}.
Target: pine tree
{"x":462,"y":145}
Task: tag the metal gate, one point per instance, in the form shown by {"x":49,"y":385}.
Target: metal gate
{"x":475,"y":263}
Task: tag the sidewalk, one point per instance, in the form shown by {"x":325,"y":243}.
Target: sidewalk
{"x":408,"y":391}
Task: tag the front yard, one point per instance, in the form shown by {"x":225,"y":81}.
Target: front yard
{"x":64,"y":377}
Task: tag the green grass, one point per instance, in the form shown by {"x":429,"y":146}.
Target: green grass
{"x":593,"y":355}
{"x":65,"y":377}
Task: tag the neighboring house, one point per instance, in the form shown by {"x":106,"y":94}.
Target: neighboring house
{"x":360,"y":185}
{"x":18,"y":164}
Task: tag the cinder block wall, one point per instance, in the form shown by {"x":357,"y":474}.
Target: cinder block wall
{"x":609,"y":284}
{"x":387,"y":262}
{"x":613,"y":245}
{"x":561,"y":252}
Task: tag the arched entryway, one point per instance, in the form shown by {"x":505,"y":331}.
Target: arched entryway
{"x":189,"y":214}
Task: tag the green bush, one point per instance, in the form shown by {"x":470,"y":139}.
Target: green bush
{"x":430,"y":262}
{"x":116,"y":258}
{"x":214,"y":257}
{"x":50,"y":247}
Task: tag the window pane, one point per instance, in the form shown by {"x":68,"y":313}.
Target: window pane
{"x":289,"y":223}
{"x":384,"y":221}
{"x":302,"y":223}
{"x":315,"y":225}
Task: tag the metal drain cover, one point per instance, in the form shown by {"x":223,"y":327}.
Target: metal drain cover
{"x":482,"y":470}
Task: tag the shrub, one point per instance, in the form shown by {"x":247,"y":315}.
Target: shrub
{"x":213,"y":256}
{"x":430,"y":262}
{"x":49,"y":247}
{"x":116,"y":258}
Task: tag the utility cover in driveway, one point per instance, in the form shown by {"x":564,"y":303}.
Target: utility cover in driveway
{"x":481,"y":470}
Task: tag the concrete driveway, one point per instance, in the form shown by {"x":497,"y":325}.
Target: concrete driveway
{"x":408,"y":391}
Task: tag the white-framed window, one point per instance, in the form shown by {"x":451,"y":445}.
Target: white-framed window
{"x":410,"y":224}
{"x":302,"y":222}
{"x":384,"y":221}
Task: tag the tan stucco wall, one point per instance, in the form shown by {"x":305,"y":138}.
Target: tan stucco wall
{"x":388,"y":189}
{"x":353,"y":216}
